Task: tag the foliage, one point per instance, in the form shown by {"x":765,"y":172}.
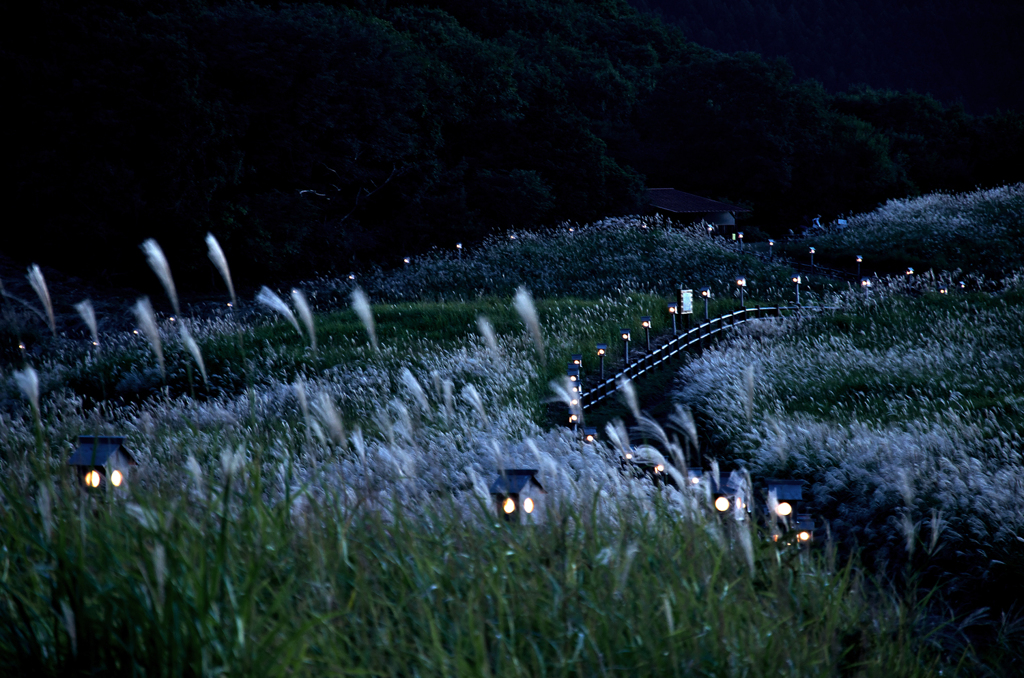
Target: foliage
{"x":610,"y":256}
{"x":222,"y":581}
{"x":324,"y":510}
{"x":904,"y":414}
{"x":977,"y":232}
{"x":320,"y":138}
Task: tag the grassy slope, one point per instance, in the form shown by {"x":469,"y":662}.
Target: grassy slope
{"x":275,"y":595}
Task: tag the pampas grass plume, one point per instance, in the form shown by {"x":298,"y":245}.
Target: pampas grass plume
{"x":193,"y":348}
{"x":158,"y":262}
{"x":147,"y":321}
{"x":38,"y":282}
{"x":528,"y":312}
{"x":216,"y":255}
{"x":487,"y":331}
{"x":269,"y":298}
{"x":302,"y":306}
{"x":629,"y":395}
{"x":361,"y":305}
{"x":331,"y":418}
{"x":28,"y":381}
{"x":88,"y":314}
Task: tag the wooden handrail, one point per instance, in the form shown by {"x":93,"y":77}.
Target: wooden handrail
{"x":680,"y":343}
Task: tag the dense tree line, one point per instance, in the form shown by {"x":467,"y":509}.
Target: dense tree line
{"x":958,"y":52}
{"x":322,"y":137}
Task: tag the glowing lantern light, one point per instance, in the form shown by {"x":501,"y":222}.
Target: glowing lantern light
{"x":722,"y":504}
{"x":99,"y":457}
{"x":516,"y":489}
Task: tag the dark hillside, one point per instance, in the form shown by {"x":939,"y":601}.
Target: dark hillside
{"x":313,"y":138}
{"x":958,"y":52}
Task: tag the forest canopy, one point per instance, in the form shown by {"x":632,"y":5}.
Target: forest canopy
{"x":312,"y":137}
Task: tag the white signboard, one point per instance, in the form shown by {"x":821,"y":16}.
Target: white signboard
{"x":687,"y":301}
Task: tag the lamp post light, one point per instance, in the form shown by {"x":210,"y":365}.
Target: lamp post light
{"x":812,"y":257}
{"x":860,"y":258}
{"x":518,"y":497}
{"x":645,"y":321}
{"x":943,"y":290}
{"x":601,"y":350}
{"x":624,"y":333}
{"x":710,"y":229}
{"x":694,"y":475}
{"x":672,"y":312}
{"x":740,"y":236}
{"x":963,"y":286}
{"x":407,"y":260}
{"x":910,"y":272}
{"x":705,"y":293}
{"x":741,"y":283}
{"x":575,"y":390}
{"x":771,"y":249}
{"x":865,"y":284}
{"x":590,"y":435}
{"x":577,"y":360}
{"x":458,"y":246}
{"x":796,"y":281}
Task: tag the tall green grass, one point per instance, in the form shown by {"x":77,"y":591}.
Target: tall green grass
{"x":215,"y":580}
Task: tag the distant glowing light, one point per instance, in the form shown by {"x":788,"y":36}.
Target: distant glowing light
{"x":804,"y":536}
{"x":92,"y":479}
{"x":722,"y":504}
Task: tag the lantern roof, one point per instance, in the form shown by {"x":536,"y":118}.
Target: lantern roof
{"x":95,"y":450}
{"x":730,"y":486}
{"x":514,"y":480}
{"x":786,"y":490}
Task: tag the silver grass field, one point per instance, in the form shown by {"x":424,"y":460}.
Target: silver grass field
{"x":311,"y":495}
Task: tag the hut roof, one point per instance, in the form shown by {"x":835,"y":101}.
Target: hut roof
{"x":513,"y":480}
{"x":95,"y":450}
{"x":786,"y":490}
{"x":671,"y":200}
